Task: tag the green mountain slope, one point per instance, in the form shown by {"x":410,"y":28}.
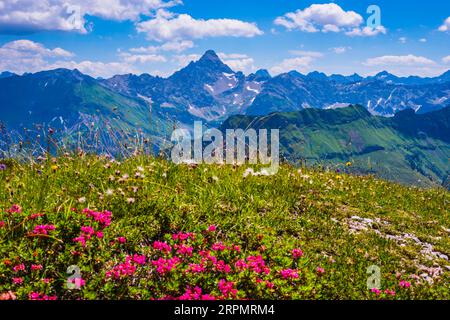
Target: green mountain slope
{"x":408,"y":148}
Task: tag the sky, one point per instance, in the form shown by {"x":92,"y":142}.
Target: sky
{"x":107,"y":37}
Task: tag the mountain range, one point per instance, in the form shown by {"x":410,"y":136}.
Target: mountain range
{"x":211,"y":91}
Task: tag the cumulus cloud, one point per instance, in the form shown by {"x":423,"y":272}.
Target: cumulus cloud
{"x":22,"y":56}
{"x":301,"y":64}
{"x":366,"y":31}
{"x":69,"y":15}
{"x":405,"y":65}
{"x":238,"y":62}
{"x":176,"y":46}
{"x":27,"y":56}
{"x":325,"y":18}
{"x":168,"y":27}
{"x":141,"y":58}
{"x":445,"y":26}
{"x":446,"y":60}
{"x":408,"y":60}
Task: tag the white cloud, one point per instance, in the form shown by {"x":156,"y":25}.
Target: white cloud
{"x":301,"y":64}
{"x":22,"y":56}
{"x":402,"y":40}
{"x":27,"y":56}
{"x":405,"y":65}
{"x":168,"y":27}
{"x":238,"y":62}
{"x":423,"y":40}
{"x":69,"y":15}
{"x":445,"y":26}
{"x":320,"y":17}
{"x":96,"y":68}
{"x":446,"y":60}
{"x":313,"y":54}
{"x":142,"y":58}
{"x":366,"y":31}
{"x":408,"y":60}
{"x":183,"y":60}
{"x":340,"y":50}
{"x":176,"y":46}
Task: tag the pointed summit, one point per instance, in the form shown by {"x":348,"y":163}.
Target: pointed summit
{"x":210,"y":55}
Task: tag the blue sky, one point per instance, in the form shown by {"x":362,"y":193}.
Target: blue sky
{"x":109,"y":37}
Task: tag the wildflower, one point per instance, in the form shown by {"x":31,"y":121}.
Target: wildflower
{"x":99,"y":234}
{"x":36,"y":215}
{"x":78,"y":282}
{"x":81,"y":240}
{"x":221,"y":266}
{"x":2,"y":224}
{"x":82,"y":200}
{"x":54,"y":168}
{"x":297,"y":253}
{"x":43,"y":229}
{"x":212,"y":228}
{"x":257,"y":264}
{"x":241,"y":265}
{"x":195,"y":268}
{"x":389,"y":292}
{"x":131,"y":200}
{"x":320,"y":271}
{"x":162,"y":246}
{"x":183,"y":236}
{"x":164,"y":266}
{"x":19,"y":267}
{"x":376,"y":291}
{"x":227,"y":288}
{"x":404,"y":284}
{"x":2,"y":166}
{"x":185,"y":250}
{"x":218,"y":247}
{"x":15,"y":209}
{"x":121,"y":240}
{"x":136,"y":258}
{"x":17,"y":280}
{"x":348,"y":164}
{"x":35,"y":267}
{"x":88,"y":230}
{"x":8,"y":296}
{"x":109,"y":193}
{"x":289,"y":274}
{"x":121,"y":270}
{"x":269,"y":285}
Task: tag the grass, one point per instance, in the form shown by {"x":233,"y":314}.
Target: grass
{"x":342,"y":223}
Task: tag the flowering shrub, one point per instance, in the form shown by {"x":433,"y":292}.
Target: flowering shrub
{"x":153,"y":230}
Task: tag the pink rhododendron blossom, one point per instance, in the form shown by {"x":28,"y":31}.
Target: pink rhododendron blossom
{"x":289,"y":274}
{"x":297,"y":253}
{"x":212,"y":228}
{"x":43,"y":229}
{"x":404,"y":284}
{"x":227,"y":288}
{"x":17,"y":280}
{"x":162,"y":246}
{"x":35,"y":267}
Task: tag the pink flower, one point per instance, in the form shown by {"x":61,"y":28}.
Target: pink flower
{"x":43,"y":229}
{"x":389,"y":292}
{"x":19,"y":267}
{"x":15,"y":209}
{"x":289,"y":274}
{"x":88,"y":230}
{"x":297,"y":253}
{"x":269,"y":285}
{"x":99,"y":234}
{"x":103,"y":218}
{"x":376,"y":291}
{"x":138,"y":259}
{"x":35,"y":267}
{"x":212,"y":228}
{"x":227,"y":288}
{"x":241,"y":265}
{"x":162,"y":246}
{"x":320,"y":271}
{"x":17,"y":280}
{"x":404,"y":284}
{"x":2,"y":224}
{"x":218,"y":247}
{"x":78,"y":282}
{"x":81,"y":240}
{"x":36,"y":215}
{"x":122,"y":240}
{"x":164,"y":266}
{"x":195,"y":268}
{"x":121,"y":270}
{"x":185,"y":250}
{"x":221,"y":266}
{"x":46,"y":280}
{"x":257,"y":264}
{"x":183,"y":236}
{"x":37,"y":296}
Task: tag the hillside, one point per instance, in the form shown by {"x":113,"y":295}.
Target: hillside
{"x":408,"y":148}
{"x":155,"y":230}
